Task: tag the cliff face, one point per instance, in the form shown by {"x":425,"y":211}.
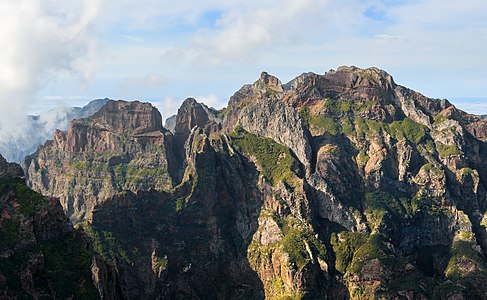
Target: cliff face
{"x":14,"y":146}
{"x":121,"y":147}
{"x":259,"y":109}
{"x":342,"y":185}
{"x":41,"y":256}
{"x":191,"y":242}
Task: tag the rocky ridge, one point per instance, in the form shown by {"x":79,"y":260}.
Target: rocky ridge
{"x":342,"y":185}
{"x":121,"y":147}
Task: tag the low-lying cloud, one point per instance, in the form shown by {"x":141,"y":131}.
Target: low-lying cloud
{"x":39,"y":39}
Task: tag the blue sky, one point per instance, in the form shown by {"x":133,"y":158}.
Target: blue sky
{"x":67,"y":53}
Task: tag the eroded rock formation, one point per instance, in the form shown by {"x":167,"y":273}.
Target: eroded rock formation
{"x":342,"y":185}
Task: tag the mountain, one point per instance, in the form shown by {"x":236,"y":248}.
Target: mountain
{"x":334,"y":186}
{"x":121,"y":147}
{"x":41,"y":256}
{"x":15,"y":146}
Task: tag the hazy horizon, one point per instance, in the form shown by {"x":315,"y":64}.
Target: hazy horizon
{"x":58,"y":53}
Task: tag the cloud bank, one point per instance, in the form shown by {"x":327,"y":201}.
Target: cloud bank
{"x":40,"y":39}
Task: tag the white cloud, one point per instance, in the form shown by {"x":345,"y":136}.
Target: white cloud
{"x":169,"y":106}
{"x":211,"y":100}
{"x":149,"y":81}
{"x":245,"y":31}
{"x":40,"y":38}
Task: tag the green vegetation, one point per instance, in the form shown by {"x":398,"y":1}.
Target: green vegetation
{"x":344,"y":245}
{"x":29,"y":200}
{"x":327,"y":124}
{"x":414,"y":281}
{"x":362,"y":127}
{"x":430,"y":145}
{"x":431,"y":168}
{"x":90,"y":165}
{"x":424,"y":204}
{"x":256,"y":253}
{"x":134,"y":174}
{"x":362,"y":159}
{"x":105,"y":244}
{"x":68,"y":268}
{"x":319,"y":121}
{"x":334,"y":109}
{"x":67,"y":264}
{"x":448,"y":150}
{"x":305,"y":115}
{"x":374,"y":127}
{"x":407,"y":128}
{"x":465,"y":250}
{"x":180,"y":204}
{"x":161,"y":262}
{"x":294,"y":245}
{"x":291,"y":297}
{"x":346,"y":125}
{"x":277,"y":291}
{"x":367,"y":127}
{"x":342,"y":106}
{"x":296,"y":235}
{"x":275,"y":161}
{"x":374,"y":248}
{"x":133,"y":171}
{"x":439,"y":118}
{"x":336,"y":106}
{"x":379,"y":203}
{"x":128,"y":173}
{"x":80,"y":165}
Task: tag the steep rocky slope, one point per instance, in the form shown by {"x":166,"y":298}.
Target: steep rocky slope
{"x":41,"y":256}
{"x":342,"y":185}
{"x":121,"y":147}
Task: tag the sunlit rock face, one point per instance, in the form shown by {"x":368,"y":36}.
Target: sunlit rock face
{"x":341,"y":185}
{"x":121,"y":147}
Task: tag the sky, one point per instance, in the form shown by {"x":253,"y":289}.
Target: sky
{"x":66,"y":53}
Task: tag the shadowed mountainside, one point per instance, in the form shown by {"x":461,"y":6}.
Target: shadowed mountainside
{"x":342,"y":185}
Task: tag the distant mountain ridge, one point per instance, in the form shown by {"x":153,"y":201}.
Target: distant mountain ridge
{"x":40,"y":128}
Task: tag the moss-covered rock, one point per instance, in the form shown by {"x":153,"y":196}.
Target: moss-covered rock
{"x":274,"y":160}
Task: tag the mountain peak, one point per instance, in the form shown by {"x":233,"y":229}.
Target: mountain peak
{"x":268,"y":81}
{"x":189,"y":102}
{"x":137,"y":117}
{"x":353,"y":77}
